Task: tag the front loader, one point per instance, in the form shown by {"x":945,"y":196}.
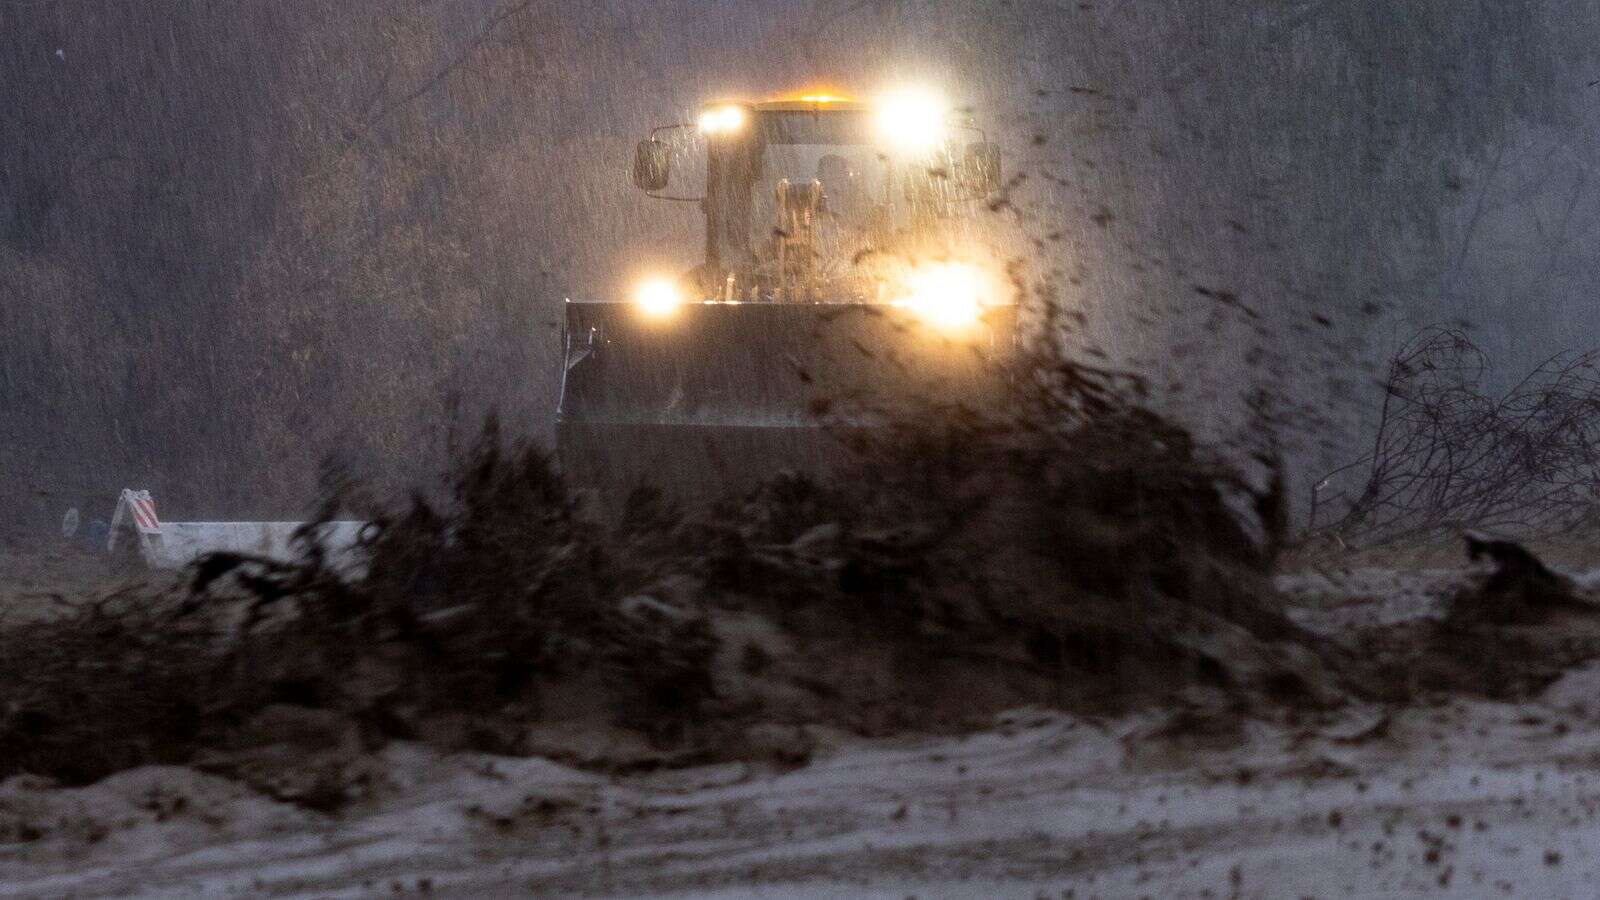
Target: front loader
{"x":846,"y":279}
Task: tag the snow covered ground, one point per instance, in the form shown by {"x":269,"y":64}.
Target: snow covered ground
{"x":1466,"y":799}
{"x":1463,"y":798}
{"x":1329,"y":600}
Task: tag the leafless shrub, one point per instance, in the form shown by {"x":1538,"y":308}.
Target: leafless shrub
{"x":1449,"y":453}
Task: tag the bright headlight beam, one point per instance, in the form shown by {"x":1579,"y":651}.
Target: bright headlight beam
{"x":948,"y":296}
{"x":912,"y":119}
{"x":721,"y":119}
{"x":657,"y":297}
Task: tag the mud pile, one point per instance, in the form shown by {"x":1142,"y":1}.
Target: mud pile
{"x":1096,"y":568}
{"x":959,"y":568}
{"x":1514,"y":628}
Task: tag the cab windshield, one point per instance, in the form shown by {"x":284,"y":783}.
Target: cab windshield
{"x":812,"y":197}
{"x":835,"y":150}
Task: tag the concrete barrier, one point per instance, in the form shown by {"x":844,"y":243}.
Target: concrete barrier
{"x":173,"y":545}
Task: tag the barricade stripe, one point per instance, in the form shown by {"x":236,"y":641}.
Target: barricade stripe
{"x":144,"y":512}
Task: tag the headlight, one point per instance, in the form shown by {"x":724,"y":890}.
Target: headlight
{"x":949,"y":296}
{"x":657,"y":297}
{"x":912,"y":119}
{"x":721,"y":119}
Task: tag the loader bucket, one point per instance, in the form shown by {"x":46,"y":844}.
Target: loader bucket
{"x":719,"y":395}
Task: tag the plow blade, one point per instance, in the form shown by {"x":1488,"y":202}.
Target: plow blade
{"x":690,"y":461}
{"x":718,"y":396}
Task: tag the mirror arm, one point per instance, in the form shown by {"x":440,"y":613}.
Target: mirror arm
{"x":654,"y":132}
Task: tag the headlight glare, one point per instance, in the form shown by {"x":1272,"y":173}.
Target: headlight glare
{"x":657,"y":297}
{"x":948,"y":296}
{"x":912,"y":119}
{"x":721,"y":119}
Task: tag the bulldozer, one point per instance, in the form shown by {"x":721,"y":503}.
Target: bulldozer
{"x":847,"y":275}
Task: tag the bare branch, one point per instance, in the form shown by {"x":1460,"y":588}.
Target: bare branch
{"x":1448,"y":455}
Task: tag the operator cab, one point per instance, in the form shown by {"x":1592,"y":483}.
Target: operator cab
{"x":817,"y":198}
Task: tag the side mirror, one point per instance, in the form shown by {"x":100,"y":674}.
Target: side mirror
{"x":980,"y":167}
{"x":652,"y":165}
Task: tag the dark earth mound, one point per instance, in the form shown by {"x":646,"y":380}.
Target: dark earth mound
{"x":1101,"y":566}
